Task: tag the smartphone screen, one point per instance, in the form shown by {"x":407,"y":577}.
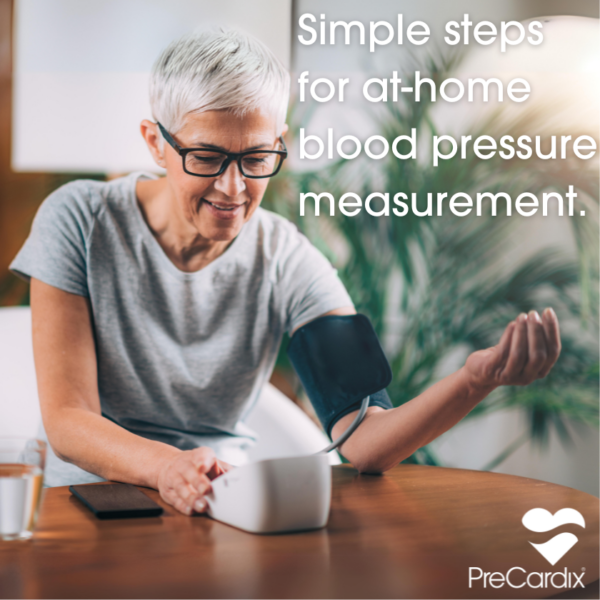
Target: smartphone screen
{"x":115,"y":500}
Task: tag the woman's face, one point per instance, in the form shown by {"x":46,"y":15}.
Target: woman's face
{"x":217,"y":207}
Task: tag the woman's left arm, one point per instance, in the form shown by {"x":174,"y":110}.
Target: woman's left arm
{"x":527,"y":351}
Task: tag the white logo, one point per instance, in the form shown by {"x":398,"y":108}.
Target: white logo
{"x":540,"y":520}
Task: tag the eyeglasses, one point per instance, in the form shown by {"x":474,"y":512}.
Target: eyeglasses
{"x":202,"y":162}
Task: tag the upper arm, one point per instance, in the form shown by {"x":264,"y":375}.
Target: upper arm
{"x":64,"y":351}
{"x":344,"y":422}
{"x":357,"y":447}
{"x":308,"y":283}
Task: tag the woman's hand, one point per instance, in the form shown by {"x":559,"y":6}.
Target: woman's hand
{"x":527,"y":351}
{"x":184,"y":480}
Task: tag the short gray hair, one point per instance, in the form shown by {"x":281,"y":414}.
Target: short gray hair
{"x":217,"y":70}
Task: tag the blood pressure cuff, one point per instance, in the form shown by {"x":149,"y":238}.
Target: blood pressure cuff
{"x":340,"y":362}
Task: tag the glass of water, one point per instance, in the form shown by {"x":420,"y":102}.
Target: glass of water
{"x":22,"y":463}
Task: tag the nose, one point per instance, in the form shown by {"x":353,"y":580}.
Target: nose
{"x":231,"y":182}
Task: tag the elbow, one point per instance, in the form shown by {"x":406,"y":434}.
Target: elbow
{"x":56,"y":439}
{"x":372,"y":449}
{"x":370,"y":464}
{"x":369,"y":469}
{"x":374,"y":467}
{"x":372,"y":459}
{"x":54,"y":443}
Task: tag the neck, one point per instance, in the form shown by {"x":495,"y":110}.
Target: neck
{"x":179,"y":239}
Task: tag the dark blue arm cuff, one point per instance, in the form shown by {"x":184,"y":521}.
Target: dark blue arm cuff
{"x":380,"y":398}
{"x":340,"y":362}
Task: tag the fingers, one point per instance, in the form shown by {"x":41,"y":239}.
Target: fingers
{"x":225,"y":466}
{"x":219,"y":468}
{"x":534,"y":347}
{"x":174,"y":491}
{"x":207,"y":462}
{"x":552,"y":333}
{"x":537,"y":352}
{"x":203,"y":458}
{"x":503,"y":346}
{"x":187,"y":480}
{"x":185,"y":497}
{"x":517,"y":357}
{"x":197,"y":482}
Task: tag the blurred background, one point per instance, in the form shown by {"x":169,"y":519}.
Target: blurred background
{"x":73,"y":90}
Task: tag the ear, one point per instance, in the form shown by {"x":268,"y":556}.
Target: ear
{"x":284,"y":129}
{"x":151,"y":135}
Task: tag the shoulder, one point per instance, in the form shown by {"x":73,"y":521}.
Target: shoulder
{"x":286,"y":249}
{"x":76,"y":196}
{"x":70,"y":209}
{"x":277,"y":235}
{"x":81,"y":202}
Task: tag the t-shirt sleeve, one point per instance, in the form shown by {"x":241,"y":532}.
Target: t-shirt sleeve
{"x":55,"y":251}
{"x":310,"y":284}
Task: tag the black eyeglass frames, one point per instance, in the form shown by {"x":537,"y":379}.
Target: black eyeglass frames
{"x":205,"y":162}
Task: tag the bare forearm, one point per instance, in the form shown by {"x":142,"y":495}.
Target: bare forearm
{"x":65,"y":361}
{"x":100,"y":446}
{"x":387,"y":437}
{"x":527,"y":350}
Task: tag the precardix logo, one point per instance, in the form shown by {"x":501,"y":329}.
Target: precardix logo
{"x":540,"y":521}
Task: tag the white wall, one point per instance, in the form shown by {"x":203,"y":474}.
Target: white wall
{"x":473,"y":443}
{"x":81,"y":73}
{"x":19,"y":406}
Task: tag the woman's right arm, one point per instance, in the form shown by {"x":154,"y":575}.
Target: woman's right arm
{"x":65,"y":363}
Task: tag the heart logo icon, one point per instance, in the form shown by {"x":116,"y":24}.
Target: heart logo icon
{"x":540,"y":520}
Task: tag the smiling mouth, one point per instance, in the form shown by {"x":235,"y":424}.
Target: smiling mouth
{"x":223,"y":207}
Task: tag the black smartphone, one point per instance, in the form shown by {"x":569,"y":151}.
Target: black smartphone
{"x":115,"y":500}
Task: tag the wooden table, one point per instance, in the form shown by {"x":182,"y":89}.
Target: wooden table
{"x":411,"y":533}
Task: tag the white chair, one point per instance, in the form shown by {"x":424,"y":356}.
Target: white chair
{"x":283,"y":428}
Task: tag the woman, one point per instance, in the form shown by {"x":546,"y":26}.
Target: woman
{"x":159,"y":304}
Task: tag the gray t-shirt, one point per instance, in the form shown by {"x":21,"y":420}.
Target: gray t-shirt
{"x":182,"y":357}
